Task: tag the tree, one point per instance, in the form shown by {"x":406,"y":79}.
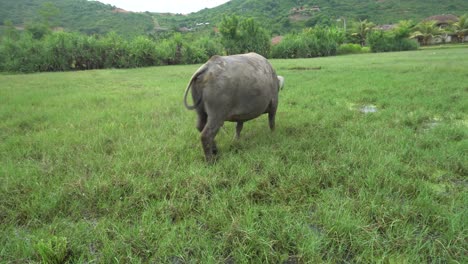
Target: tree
{"x":254,"y":38}
{"x":403,"y":29}
{"x":10,"y":30}
{"x":48,"y":14}
{"x":426,"y":31}
{"x":461,"y":27}
{"x":229,"y":29}
{"x":361,"y":31}
{"x":243,"y":35}
{"x":37,"y":30}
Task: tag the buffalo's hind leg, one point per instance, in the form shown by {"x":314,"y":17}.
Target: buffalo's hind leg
{"x":208,"y":139}
{"x":272,"y":114}
{"x":201,"y":120}
{"x":239,"y":127}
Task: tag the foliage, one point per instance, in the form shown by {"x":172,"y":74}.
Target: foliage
{"x":10,"y":31}
{"x":362,"y":30}
{"x":426,"y":30}
{"x":312,"y":42}
{"x":403,"y":29}
{"x":210,"y":45}
{"x":53,"y":251}
{"x":38,"y":30}
{"x":229,"y":29}
{"x":22,"y":55}
{"x":381,"y":41}
{"x":64,"y":51}
{"x":111,"y":160}
{"x":279,"y":15}
{"x":92,"y":17}
{"x":350,"y":48}
{"x":48,"y":13}
{"x":460,"y":28}
{"x":240,"y":35}
{"x":397,"y":39}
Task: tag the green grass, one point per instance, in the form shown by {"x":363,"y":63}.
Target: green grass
{"x":106,"y":166}
{"x":445,"y":46}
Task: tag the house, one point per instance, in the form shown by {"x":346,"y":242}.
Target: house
{"x":386,"y":27}
{"x":443,"y":22}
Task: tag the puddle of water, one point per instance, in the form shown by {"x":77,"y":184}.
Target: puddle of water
{"x":366,"y":109}
{"x":432,"y":123}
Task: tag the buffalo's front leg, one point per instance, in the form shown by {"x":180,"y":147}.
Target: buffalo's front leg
{"x":272,"y":114}
{"x":239,"y":127}
{"x":207,"y":139}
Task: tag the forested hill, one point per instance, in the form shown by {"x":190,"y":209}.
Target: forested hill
{"x":282,"y":15}
{"x":279,"y":16}
{"x":380,"y":11}
{"x":89,"y":17}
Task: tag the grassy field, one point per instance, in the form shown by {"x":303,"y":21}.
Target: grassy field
{"x":368,"y":164}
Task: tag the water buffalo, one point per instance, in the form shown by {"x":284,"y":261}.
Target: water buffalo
{"x":232,"y":88}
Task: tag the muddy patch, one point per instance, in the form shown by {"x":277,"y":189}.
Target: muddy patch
{"x":304,"y":68}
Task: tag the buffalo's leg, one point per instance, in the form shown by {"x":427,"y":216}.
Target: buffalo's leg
{"x":272,"y":114}
{"x":208,"y":140}
{"x":201,"y":121}
{"x":239,"y":127}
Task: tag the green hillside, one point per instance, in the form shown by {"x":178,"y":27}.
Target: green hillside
{"x":280,"y":15}
{"x":89,"y":17}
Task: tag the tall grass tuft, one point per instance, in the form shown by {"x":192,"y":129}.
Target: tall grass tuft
{"x":65,"y":51}
{"x":311,"y":42}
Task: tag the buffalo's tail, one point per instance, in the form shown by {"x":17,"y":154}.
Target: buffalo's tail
{"x":281,"y":82}
{"x":198,"y":100}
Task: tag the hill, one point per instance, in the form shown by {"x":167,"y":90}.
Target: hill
{"x":283,"y":15}
{"x":89,"y":17}
{"x":93,"y":17}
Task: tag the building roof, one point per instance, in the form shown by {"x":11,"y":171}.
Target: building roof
{"x":442,"y":19}
{"x":386,"y":27}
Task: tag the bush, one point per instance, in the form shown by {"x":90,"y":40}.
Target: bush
{"x":87,"y":53}
{"x":316,"y":42}
{"x":210,"y":46}
{"x":292,"y":46}
{"x":114,"y":51}
{"x":23,"y":55}
{"x":64,"y":51}
{"x":244,"y":35}
{"x":143,"y":52}
{"x":380,"y":41}
{"x":193,"y":54}
{"x":58,"y":52}
{"x":350,"y":48}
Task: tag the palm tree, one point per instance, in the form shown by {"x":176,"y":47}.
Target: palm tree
{"x":426,"y":30}
{"x":362,"y":29}
{"x":403,"y":29}
{"x":461,"y":27}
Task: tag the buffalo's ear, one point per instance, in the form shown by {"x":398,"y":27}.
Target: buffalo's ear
{"x":281,"y":82}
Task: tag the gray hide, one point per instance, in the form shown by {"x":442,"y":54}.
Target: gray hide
{"x":232,"y":88}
